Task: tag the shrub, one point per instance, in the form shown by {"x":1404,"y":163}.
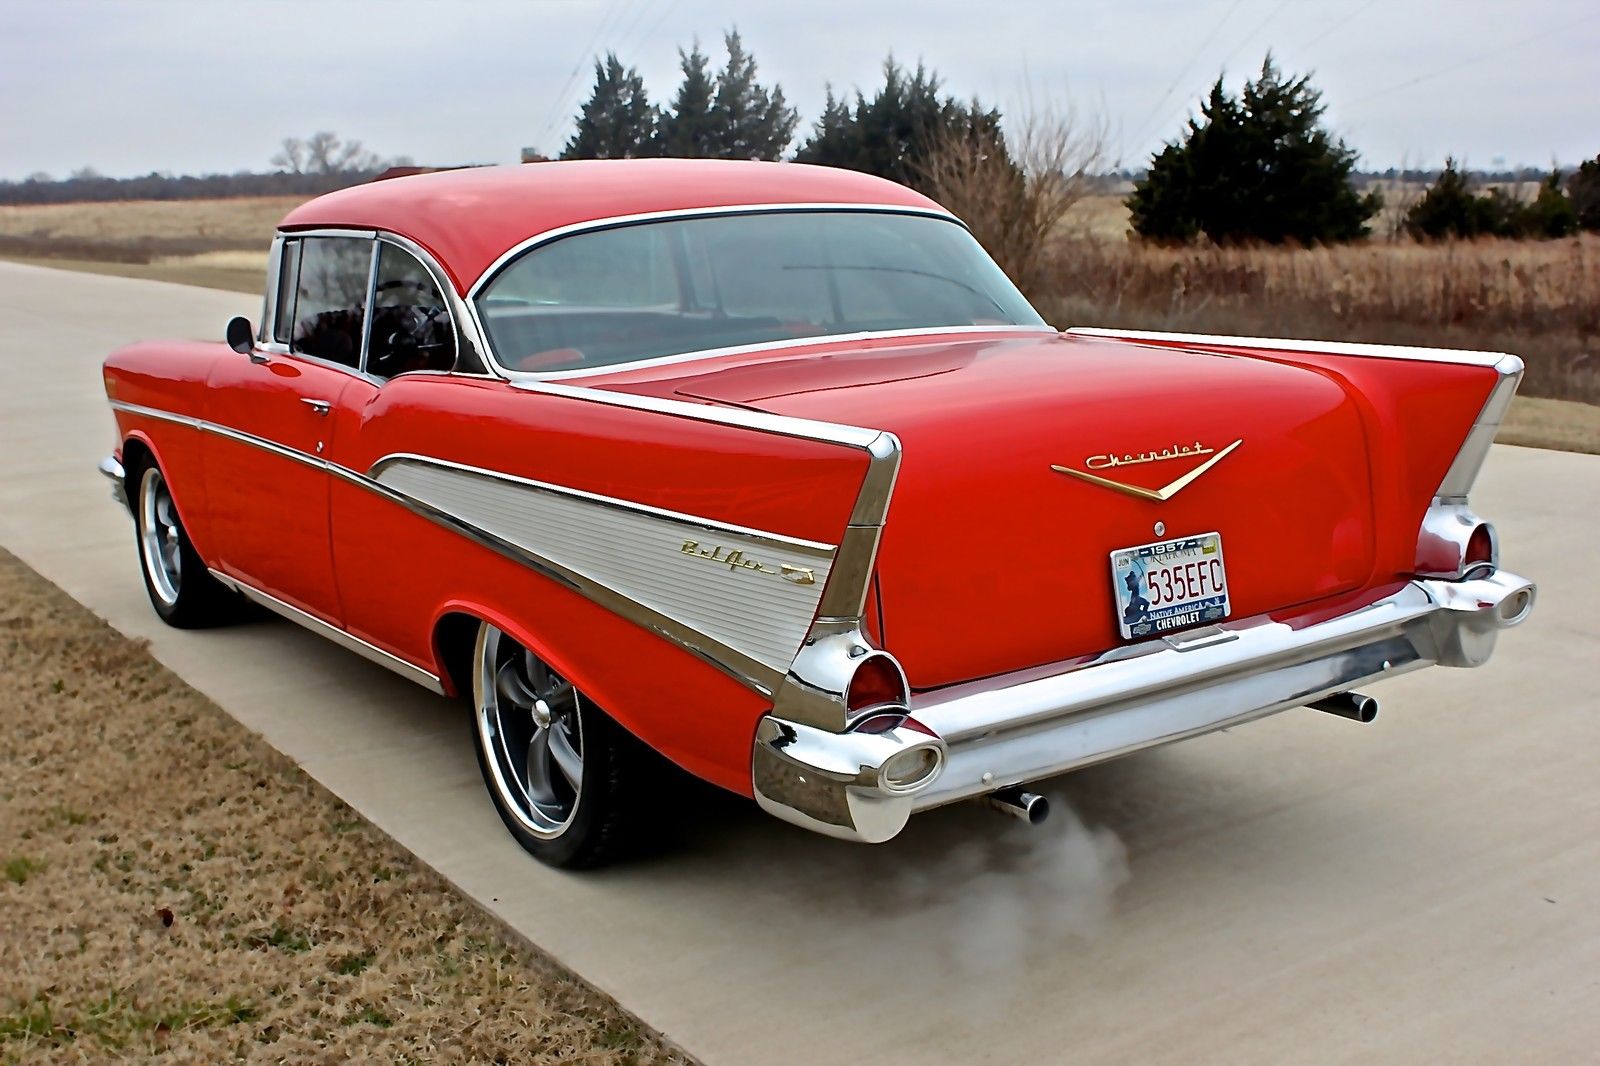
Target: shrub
{"x":1254,"y":167}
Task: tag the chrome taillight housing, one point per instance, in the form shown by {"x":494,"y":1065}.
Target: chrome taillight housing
{"x":1455,"y":544}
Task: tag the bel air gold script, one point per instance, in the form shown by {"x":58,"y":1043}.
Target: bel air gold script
{"x":738,"y":560}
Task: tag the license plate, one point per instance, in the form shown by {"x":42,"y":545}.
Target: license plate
{"x":1168,"y":585}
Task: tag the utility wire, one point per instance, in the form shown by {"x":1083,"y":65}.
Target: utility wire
{"x":1494,"y":53}
{"x":1144,"y":123}
{"x":1274,"y":13}
{"x":558,"y":104}
{"x":1337,"y":26}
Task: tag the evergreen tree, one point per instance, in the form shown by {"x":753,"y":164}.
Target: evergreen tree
{"x":1550,"y":215}
{"x":617,"y":122}
{"x":748,"y":121}
{"x":1450,"y":208}
{"x":1583,"y":189}
{"x":1257,"y":166}
{"x":686,"y":129}
{"x":891,"y":134}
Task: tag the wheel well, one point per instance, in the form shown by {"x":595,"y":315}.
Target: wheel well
{"x":453,"y":640}
{"x":135,"y":454}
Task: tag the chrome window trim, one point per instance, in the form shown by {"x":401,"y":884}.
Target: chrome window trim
{"x":615,"y":221}
{"x":462,"y":326}
{"x":342,"y":637}
{"x":269,"y":294}
{"x":618,"y":221}
{"x":366,"y":311}
{"x":454,"y":306}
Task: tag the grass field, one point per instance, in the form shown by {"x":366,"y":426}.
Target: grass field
{"x":173,"y":885}
{"x":1540,"y":300}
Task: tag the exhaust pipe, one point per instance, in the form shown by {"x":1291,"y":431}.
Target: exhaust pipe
{"x":1030,"y":807}
{"x":1351,"y":705}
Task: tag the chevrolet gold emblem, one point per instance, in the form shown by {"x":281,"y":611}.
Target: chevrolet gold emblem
{"x":1166,"y":492}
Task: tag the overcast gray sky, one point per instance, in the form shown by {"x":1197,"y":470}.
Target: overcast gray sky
{"x":213,"y":85}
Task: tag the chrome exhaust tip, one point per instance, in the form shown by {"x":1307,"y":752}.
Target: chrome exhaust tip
{"x":1029,"y":807}
{"x":1351,"y":705}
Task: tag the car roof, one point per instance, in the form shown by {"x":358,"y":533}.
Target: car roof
{"x":469,"y":218}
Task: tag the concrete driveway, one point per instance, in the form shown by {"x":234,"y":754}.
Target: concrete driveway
{"x":1302,"y":889}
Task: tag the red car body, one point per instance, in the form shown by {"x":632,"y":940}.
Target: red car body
{"x":783,"y":565}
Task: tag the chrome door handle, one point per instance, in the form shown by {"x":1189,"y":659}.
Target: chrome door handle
{"x":321,"y":407}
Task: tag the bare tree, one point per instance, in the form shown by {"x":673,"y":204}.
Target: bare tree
{"x":1400,"y":197}
{"x":293,"y":156}
{"x":1014,"y":189}
{"x":324,"y":152}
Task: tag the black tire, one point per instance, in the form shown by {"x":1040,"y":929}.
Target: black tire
{"x":180,"y":588}
{"x":561,"y":824}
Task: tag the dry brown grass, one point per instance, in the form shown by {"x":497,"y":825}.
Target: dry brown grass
{"x":216,"y":243}
{"x":245,"y":220}
{"x":174,"y":887}
{"x":1538,"y":299}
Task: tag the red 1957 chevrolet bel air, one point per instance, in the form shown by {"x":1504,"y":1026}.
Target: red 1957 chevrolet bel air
{"x":769,"y":469}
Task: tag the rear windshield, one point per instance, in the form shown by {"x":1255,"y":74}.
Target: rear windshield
{"x":651,"y":289}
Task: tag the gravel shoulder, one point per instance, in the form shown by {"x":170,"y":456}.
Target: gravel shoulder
{"x":173,"y":886}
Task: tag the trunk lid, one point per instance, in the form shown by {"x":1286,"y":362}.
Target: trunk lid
{"x":993,"y":560}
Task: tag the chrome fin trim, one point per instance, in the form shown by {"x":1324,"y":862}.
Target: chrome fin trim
{"x":1281,"y":344}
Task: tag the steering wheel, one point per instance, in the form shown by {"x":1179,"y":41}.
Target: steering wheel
{"x":407,"y":283}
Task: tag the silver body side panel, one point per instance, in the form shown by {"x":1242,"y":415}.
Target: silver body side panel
{"x":757,"y":595}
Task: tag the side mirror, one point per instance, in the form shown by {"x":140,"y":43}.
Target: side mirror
{"x":241,"y":337}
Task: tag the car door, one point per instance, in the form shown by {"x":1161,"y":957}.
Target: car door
{"x":377,"y":546}
{"x":272,"y":414}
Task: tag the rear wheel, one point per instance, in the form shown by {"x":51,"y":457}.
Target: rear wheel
{"x":181,"y":589}
{"x":561,"y":773}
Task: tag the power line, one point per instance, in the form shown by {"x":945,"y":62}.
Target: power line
{"x":1494,"y":53}
{"x":1253,"y":33}
{"x":1144,"y":123}
{"x":1337,"y":26}
{"x":558,"y":103}
{"x":1247,"y":38}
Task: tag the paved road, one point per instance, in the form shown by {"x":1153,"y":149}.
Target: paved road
{"x":1302,"y":889}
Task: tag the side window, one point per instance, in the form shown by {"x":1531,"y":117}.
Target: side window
{"x":411,"y":328}
{"x":331,"y":297}
{"x":288,"y":278}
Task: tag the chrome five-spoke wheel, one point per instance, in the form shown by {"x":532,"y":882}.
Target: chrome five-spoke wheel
{"x":159,"y":540}
{"x":558,"y":770}
{"x":528,"y":720}
{"x":181,"y":589}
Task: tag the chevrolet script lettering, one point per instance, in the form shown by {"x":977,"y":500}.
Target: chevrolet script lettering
{"x":738,"y":560}
{"x":1177,"y":451}
{"x":1165,"y":492}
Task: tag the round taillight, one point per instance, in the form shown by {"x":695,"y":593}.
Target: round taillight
{"x":1480,"y":548}
{"x":877,"y":682}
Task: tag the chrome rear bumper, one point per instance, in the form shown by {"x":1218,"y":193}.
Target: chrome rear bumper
{"x":1022,"y":727}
